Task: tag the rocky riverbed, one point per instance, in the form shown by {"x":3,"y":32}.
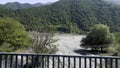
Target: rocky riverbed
{"x":69,"y":44}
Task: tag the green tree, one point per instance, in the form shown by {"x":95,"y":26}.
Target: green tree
{"x":12,"y":35}
{"x":115,"y":48}
{"x":98,"y":37}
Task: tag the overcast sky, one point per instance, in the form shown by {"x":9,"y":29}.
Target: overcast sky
{"x":27,"y":1}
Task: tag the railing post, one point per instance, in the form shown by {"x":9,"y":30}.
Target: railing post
{"x":0,"y":60}
{"x":74,"y":62}
{"x":16,"y":65}
{"x":116,"y":63}
{"x":42,"y":61}
{"x":33,"y":61}
{"x":27,"y":61}
{"x":58,"y":62}
{"x":85,"y":65}
{"x":53,"y":62}
{"x":95,"y":62}
{"x":6,"y":61}
{"x":11,"y":61}
{"x":37,"y":61}
{"x":79,"y":62}
{"x":90,"y":64}
{"x":101,"y":63}
{"x":63,"y":62}
{"x":111,"y":63}
{"x":106,"y":63}
{"x":68,"y":62}
{"x":21,"y":61}
{"x":47,"y":61}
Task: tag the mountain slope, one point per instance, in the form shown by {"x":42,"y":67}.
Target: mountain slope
{"x":69,"y":15}
{"x":17,"y":5}
{"x":84,"y":13}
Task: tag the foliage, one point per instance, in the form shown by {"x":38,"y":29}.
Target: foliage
{"x":115,"y":48}
{"x":83,"y":13}
{"x":12,"y":35}
{"x":98,"y":37}
{"x":117,"y":37}
{"x":43,"y":41}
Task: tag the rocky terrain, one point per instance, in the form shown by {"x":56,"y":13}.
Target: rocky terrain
{"x":69,"y":44}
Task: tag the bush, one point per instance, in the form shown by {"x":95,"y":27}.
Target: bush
{"x":12,"y":35}
{"x":98,"y":37}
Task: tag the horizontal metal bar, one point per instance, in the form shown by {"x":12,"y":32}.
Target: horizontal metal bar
{"x":29,"y":54}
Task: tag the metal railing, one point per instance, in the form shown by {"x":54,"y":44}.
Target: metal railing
{"x":12,"y":60}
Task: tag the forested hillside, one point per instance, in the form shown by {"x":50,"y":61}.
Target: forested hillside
{"x":68,"y":15}
{"x":17,"y":5}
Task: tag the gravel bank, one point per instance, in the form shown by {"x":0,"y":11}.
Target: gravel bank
{"x":67,"y":45}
